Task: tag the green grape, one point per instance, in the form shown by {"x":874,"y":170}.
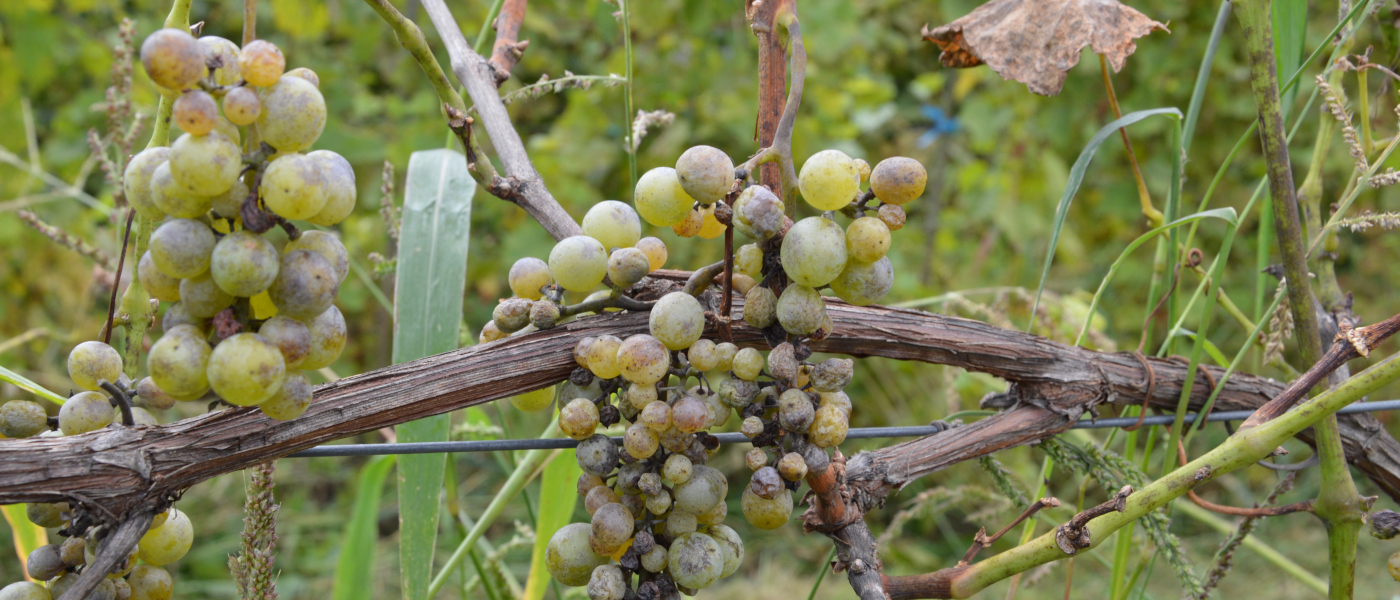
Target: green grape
{"x":91,"y":362}
{"x":689,"y":414}
{"x":229,"y":205}
{"x":731,"y":547}
{"x":611,"y":528}
{"x":751,"y":427}
{"x":340,"y":188}
{"x":150,"y":582}
{"x":800,"y":309}
{"x":700,"y":492}
{"x":136,"y":181}
{"x":178,"y":362}
{"x":568,"y":557}
{"x":527,"y":276}
{"x":290,"y":400}
{"x":261,"y":63}
{"x":44,"y":563}
{"x":829,"y":426}
{"x":153,"y":395}
{"x":829,"y":180}
{"x":227,"y":54}
{"x":578,"y":263}
{"x":642,"y":359}
{"x":168,"y":543}
{"x":677,"y":469}
{"x":695,"y":560}
{"x":305,"y":286}
{"x":702,"y":355}
{"x":832,"y":375}
{"x":766,"y":513}
{"x":328,"y":246}
{"x":597,"y":455}
{"x":579,"y":418}
{"x":863,"y":283}
{"x":655,"y":416}
{"x":172,"y":198}
{"x":692,"y":224}
{"x":533,"y":401}
{"x":763,"y":213}
{"x":892,"y":215}
{"x":24,"y":590}
{"x":202,"y":298}
{"x":141,"y":417}
{"x":47,"y":515}
{"x":760,"y":306}
{"x":293,"y":114}
{"x":159,"y":285}
{"x":677,"y":320}
{"x":602,"y":356}
{"x":641,"y":396}
{"x":84,"y":412}
{"x":714,"y":516}
{"x":243,"y":263}
{"x":176,"y":315}
{"x":736,"y":393}
{"x":246,"y":369}
{"x":710,"y":227}
{"x":660,"y":199}
{"x":173,"y":58}
{"x":195,"y":112}
{"x":867,"y":239}
{"x":292,"y":338}
{"x":230,"y":131}
{"x":306,"y":74}
{"x":726,"y":352}
{"x":294,"y":186}
{"x":655,"y":249}
{"x":863,"y":168}
{"x":205,"y":164}
{"x":607,"y":583}
{"x":814,"y":251}
{"x":792,"y":467}
{"x":242,"y":106}
{"x":680,"y":523}
{"x":748,"y":363}
{"x":748,"y":260}
{"x":898,"y":180}
{"x":659,"y":503}
{"x":328,"y":336}
{"x":655,"y":560}
{"x":599,"y":497}
{"x":22,"y":419}
{"x":639,"y":441}
{"x":705,"y":173}
{"x":627,"y":266}
{"x":614,"y":224}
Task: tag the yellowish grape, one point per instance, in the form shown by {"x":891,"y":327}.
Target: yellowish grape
{"x":261,"y":63}
{"x":602,"y":357}
{"x":242,"y":106}
{"x":627,"y":266}
{"x":306,"y":74}
{"x":867,"y":239}
{"x":614,"y":224}
{"x":293,"y":186}
{"x":765,"y":513}
{"x":172,"y":198}
{"x":84,"y":412}
{"x":178,"y":362}
{"x":92,"y":362}
{"x":642,"y":359}
{"x":246,"y":369}
{"x":690,"y":226}
{"x":568,"y":557}
{"x":328,"y":336}
{"x":579,"y":418}
{"x":814,"y":251}
{"x":527,"y":276}
{"x":578,"y":263}
{"x":195,"y":112}
{"x":677,"y":320}
{"x":660,"y":199}
{"x":710,"y":227}
{"x":291,"y":400}
{"x":533,"y":401}
{"x":328,"y":246}
{"x":655,"y":249}
{"x":173,"y":58}
{"x":136,"y":181}
{"x":747,"y":364}
{"x":227,"y":54}
{"x":340,"y":188}
{"x":748,"y":260}
{"x":898,"y":180}
{"x":705,"y":173}
{"x":829,"y":180}
{"x":149,"y":582}
{"x":293,"y":114}
{"x":205,"y":164}
{"x":168,"y":543}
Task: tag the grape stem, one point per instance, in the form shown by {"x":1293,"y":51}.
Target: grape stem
{"x":703,"y":277}
{"x":117,"y":280}
{"x":598,"y":304}
{"x":119,"y":400}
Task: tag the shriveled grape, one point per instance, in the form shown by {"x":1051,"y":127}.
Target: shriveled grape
{"x":814,"y":251}
{"x":512,"y":314}
{"x":892,"y":215}
{"x":91,"y":362}
{"x":578,"y":263}
{"x":695,"y":560}
{"x":607,"y":583}
{"x":760,"y":306}
{"x":832,"y":375}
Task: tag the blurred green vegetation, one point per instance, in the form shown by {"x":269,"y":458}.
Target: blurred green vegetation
{"x":982,"y":226}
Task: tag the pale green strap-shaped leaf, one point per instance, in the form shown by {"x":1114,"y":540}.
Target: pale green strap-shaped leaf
{"x":354,"y":570}
{"x":28,"y":536}
{"x":25,"y":384}
{"x":1290,"y":20}
{"x":431,"y":278}
{"x":557,"y":500}
{"x":1226,"y":214}
{"x":1076,"y":177}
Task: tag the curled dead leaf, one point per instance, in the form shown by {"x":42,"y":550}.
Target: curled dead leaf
{"x":1036,"y":42}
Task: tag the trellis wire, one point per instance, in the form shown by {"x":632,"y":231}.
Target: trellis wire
{"x":856,"y":433}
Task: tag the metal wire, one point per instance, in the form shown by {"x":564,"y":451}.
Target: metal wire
{"x":856,"y":433}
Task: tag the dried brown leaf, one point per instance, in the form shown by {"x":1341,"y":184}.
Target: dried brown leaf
{"x":1036,"y":42}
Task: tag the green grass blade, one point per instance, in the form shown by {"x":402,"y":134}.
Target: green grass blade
{"x":354,"y":570}
{"x":1198,"y":94}
{"x":1211,"y":349}
{"x":25,"y":384}
{"x":1076,"y":177}
{"x":431,"y":277}
{"x":1226,"y":214}
{"x":1290,"y":22}
{"x":557,"y":500}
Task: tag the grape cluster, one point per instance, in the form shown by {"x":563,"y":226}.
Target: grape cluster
{"x":245,"y":319}
{"x":657,"y":508}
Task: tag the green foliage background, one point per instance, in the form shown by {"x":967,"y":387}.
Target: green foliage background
{"x":983,"y":225}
